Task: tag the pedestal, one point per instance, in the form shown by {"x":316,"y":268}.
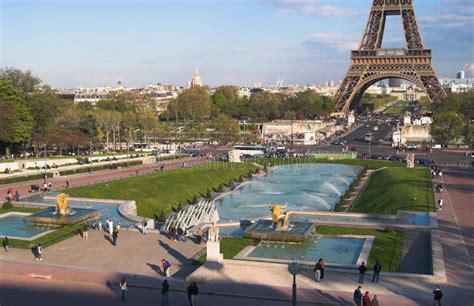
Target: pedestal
{"x":214,"y":252}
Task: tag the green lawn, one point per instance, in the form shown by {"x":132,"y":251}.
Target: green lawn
{"x":230,"y":247}
{"x":387,"y":245}
{"x":19,"y":209}
{"x":400,"y":108}
{"x":393,"y":189}
{"x":49,"y":239}
{"x":161,"y":191}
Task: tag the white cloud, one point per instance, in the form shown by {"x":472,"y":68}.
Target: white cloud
{"x":340,"y":41}
{"x":469,"y":68}
{"x":310,"y":7}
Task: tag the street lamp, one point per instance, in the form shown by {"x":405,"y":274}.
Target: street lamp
{"x":294,"y":268}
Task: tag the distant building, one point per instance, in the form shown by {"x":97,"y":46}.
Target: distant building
{"x":394,"y":83}
{"x":457,"y":85}
{"x":461,"y":75}
{"x":196,"y":80}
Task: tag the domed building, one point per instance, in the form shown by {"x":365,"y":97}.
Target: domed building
{"x":196,"y":80}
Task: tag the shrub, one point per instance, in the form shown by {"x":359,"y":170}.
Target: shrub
{"x":161,"y":217}
{"x":240,"y":179}
{"x":7,"y":205}
{"x":220,"y":188}
{"x":180,"y":207}
{"x":195,"y":199}
{"x":249,"y":175}
{"x":208,"y":194}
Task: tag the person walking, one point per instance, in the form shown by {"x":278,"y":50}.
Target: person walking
{"x":144,"y":226}
{"x":199,"y":235}
{"x":440,"y":203}
{"x":123,"y":287}
{"x":180,"y":234}
{"x":165,"y":288}
{"x":366,"y":301}
{"x":99,"y":226}
{"x":115,"y":236}
{"x":67,"y":184}
{"x":193,"y":292}
{"x":39,"y":251}
{"x":375,"y":301}
{"x":377,"y":269}
{"x":85,"y":231}
{"x":111,"y":226}
{"x":437,"y":296}
{"x":6,"y":245}
{"x":358,"y":296}
{"x":323,"y":266}
{"x":17,"y":196}
{"x":317,"y":271}
{"x":362,"y":270}
{"x":165,"y":266}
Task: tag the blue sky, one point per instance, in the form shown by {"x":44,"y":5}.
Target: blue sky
{"x":71,"y":43}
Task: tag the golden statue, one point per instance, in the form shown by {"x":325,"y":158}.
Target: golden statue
{"x":276,"y":212}
{"x":61,"y":204}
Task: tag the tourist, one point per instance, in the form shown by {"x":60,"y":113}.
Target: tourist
{"x":162,"y":168}
{"x":115,"y":236}
{"x":323,"y":265}
{"x":85,"y":233}
{"x":17,"y":196}
{"x":193,"y":292}
{"x":165,"y":288}
{"x":375,"y":301}
{"x":67,"y":184}
{"x":6,"y":244}
{"x":377,"y":269}
{"x":362,"y":270}
{"x":180,"y":234}
{"x":366,"y":301}
{"x":198,"y":235}
{"x":99,"y":226}
{"x":111,"y":226}
{"x":173,"y":233}
{"x":39,"y":251}
{"x":440,"y":174}
{"x":358,"y":296}
{"x":166,"y":267}
{"x":137,"y":171}
{"x":440,"y":204}
{"x":144,"y":226}
{"x":123,"y":287}
{"x":437,"y":296}
{"x":317,"y":271}
{"x":45,"y":186}
{"x":50,"y":186}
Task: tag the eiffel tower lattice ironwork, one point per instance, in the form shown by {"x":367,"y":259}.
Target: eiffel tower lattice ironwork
{"x":371,"y":63}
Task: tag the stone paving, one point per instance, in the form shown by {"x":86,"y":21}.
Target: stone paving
{"x":135,"y":253}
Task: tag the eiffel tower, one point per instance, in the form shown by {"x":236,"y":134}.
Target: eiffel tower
{"x":371,"y":63}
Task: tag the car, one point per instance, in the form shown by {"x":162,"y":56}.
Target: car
{"x":436,"y":146}
{"x":411,"y":147}
{"x":376,"y":128}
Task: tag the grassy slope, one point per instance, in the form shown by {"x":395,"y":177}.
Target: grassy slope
{"x":393,"y":189}
{"x":370,"y":164}
{"x":161,"y":191}
{"x":387,"y":245}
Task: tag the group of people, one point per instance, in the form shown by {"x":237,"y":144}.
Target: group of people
{"x":364,"y":300}
{"x":112,"y":229}
{"x":436,"y":172}
{"x":12,"y":196}
{"x":178,"y":233}
{"x":320,"y":266}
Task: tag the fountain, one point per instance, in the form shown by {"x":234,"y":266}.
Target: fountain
{"x":62,"y":214}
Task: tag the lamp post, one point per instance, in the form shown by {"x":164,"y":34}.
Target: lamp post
{"x":294,"y":269}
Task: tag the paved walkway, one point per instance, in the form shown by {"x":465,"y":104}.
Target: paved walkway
{"x":101,"y":176}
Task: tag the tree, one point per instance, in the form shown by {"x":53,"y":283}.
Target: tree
{"x":266,"y":106}
{"x":469,"y":135}
{"x":195,"y":103}
{"x":24,"y":81}
{"x":226,"y":129}
{"x":16,"y":122}
{"x":446,"y":127}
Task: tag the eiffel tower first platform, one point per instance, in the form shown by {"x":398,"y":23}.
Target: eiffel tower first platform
{"x":371,"y":63}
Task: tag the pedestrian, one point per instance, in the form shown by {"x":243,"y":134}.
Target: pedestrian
{"x":437,"y":296}
{"x":39,"y":251}
{"x":180,"y":234}
{"x":67,"y":184}
{"x":162,"y":168}
{"x":144,"y":226}
{"x":50,"y":186}
{"x":99,"y":226}
{"x":317,"y":271}
{"x":362,"y":270}
{"x":377,"y":269}
{"x":17,"y":196}
{"x":111,"y":226}
{"x":193,"y":292}
{"x":440,"y":175}
{"x":375,"y":301}
{"x":173,"y":233}
{"x":115,"y":236}
{"x":440,"y":203}
{"x":198,"y":235}
{"x":358,"y":296}
{"x":323,"y":265}
{"x":166,"y":267}
{"x":6,"y":245}
{"x":85,"y":231}
{"x":165,"y":288}
{"x":137,"y":171}
{"x":123,"y":287}
{"x":366,"y":301}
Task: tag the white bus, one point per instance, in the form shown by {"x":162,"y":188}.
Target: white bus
{"x":144,"y":147}
{"x":250,"y":149}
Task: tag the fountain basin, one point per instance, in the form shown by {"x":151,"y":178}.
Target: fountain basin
{"x":49,"y":217}
{"x":263,"y":230}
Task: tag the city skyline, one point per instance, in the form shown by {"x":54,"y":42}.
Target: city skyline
{"x":86,"y":43}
